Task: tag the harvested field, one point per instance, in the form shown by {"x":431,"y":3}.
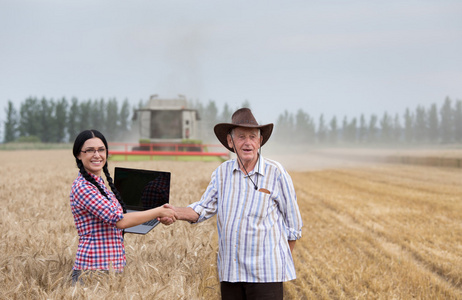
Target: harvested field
{"x":371,"y":231}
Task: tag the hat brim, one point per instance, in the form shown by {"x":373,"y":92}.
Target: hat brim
{"x":222,"y":129}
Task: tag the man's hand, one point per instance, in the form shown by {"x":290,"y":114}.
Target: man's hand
{"x":167,"y":220}
{"x":181,"y":213}
{"x":292,"y":245}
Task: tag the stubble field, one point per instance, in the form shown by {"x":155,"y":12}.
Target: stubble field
{"x":372,"y":231}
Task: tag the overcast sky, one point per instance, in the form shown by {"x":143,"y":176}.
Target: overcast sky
{"x":333,"y":57}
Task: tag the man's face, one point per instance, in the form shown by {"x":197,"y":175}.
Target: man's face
{"x":247,"y":142}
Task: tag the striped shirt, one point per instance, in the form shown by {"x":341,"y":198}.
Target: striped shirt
{"x":100,"y":241}
{"x":253,"y":227}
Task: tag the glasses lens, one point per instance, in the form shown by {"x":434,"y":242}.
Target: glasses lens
{"x":93,"y":151}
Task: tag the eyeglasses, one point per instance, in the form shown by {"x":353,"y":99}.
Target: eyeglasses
{"x":101,"y":151}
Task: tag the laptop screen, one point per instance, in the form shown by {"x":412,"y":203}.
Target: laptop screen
{"x":142,"y":189}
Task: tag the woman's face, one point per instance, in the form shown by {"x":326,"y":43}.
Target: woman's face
{"x":93,"y":156}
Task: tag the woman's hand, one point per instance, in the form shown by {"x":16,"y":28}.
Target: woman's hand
{"x":168,"y":214}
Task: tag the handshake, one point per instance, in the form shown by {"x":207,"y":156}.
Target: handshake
{"x":169,"y":214}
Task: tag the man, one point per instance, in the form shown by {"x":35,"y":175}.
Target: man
{"x":258,"y":218}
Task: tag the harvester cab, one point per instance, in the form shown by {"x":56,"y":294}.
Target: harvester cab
{"x":167,"y":124}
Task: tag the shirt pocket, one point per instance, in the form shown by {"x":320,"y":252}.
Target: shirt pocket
{"x":263,"y":206}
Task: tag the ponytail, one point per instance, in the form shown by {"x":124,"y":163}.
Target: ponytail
{"x":92,"y":180}
{"x":114,"y":189}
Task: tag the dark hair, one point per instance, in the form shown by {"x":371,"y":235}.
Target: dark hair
{"x":78,"y":144}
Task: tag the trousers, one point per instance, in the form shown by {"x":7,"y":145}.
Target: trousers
{"x":251,"y":291}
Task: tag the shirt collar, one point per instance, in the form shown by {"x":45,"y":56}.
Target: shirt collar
{"x":259,"y":167}
{"x":98,"y":179}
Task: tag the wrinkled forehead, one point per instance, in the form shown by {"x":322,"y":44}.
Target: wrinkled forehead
{"x":246,"y":130}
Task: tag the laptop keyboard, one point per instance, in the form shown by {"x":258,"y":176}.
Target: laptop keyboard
{"x":151,"y":222}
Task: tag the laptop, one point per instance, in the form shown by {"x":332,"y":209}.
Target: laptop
{"x":142,"y":190}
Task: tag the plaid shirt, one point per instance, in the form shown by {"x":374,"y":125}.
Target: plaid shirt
{"x":253,"y":226}
{"x":100,"y":241}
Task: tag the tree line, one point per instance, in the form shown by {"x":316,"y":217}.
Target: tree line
{"x":58,"y":121}
{"x":432,"y":125}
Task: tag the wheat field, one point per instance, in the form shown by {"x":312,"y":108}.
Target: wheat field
{"x":374,"y":231}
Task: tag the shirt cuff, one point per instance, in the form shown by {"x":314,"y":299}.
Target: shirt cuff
{"x":199,"y":210}
{"x":116,"y":218}
{"x":293,"y":235}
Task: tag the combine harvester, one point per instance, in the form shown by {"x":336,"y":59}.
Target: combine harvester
{"x":168,"y":129}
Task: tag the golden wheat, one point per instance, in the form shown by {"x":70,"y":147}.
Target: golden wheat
{"x":374,"y":232}
{"x":384,"y":232}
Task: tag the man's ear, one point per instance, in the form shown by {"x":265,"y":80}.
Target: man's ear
{"x":230,"y":142}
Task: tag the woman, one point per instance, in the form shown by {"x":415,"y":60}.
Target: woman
{"x":99,"y":213}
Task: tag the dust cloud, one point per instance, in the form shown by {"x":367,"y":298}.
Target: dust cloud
{"x":309,"y":159}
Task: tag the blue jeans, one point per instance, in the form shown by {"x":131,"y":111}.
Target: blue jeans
{"x":76,"y":275}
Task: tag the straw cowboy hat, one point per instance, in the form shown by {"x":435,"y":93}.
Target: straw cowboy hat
{"x":242,"y":117}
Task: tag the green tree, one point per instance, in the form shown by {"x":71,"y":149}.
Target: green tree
{"x":112,"y":123}
{"x":11,"y":123}
{"x":73,"y":123}
{"x":304,"y":127}
{"x":447,"y":123}
{"x":209,"y":119}
{"x":199,"y":107}
{"x":125,"y":117}
{"x":47,"y":130}
{"x":408,"y":126}
{"x":458,"y":121}
{"x":85,"y":110}
{"x":98,"y":115}
{"x":141,"y":104}
{"x":226,"y":114}
{"x":333,"y":131}
{"x":362,"y":132}
{"x":60,"y":120}
{"x":386,"y":128}
{"x":372,"y":129}
{"x":420,"y":124}
{"x":30,"y":123}
{"x":397,"y":129}
{"x":211,"y":112}
{"x":246,"y":104}
{"x":285,"y":127}
{"x":322,"y":130}
{"x":351,"y":131}
{"x":344,"y":130}
{"x":204,"y":131}
{"x":433,"y":124}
